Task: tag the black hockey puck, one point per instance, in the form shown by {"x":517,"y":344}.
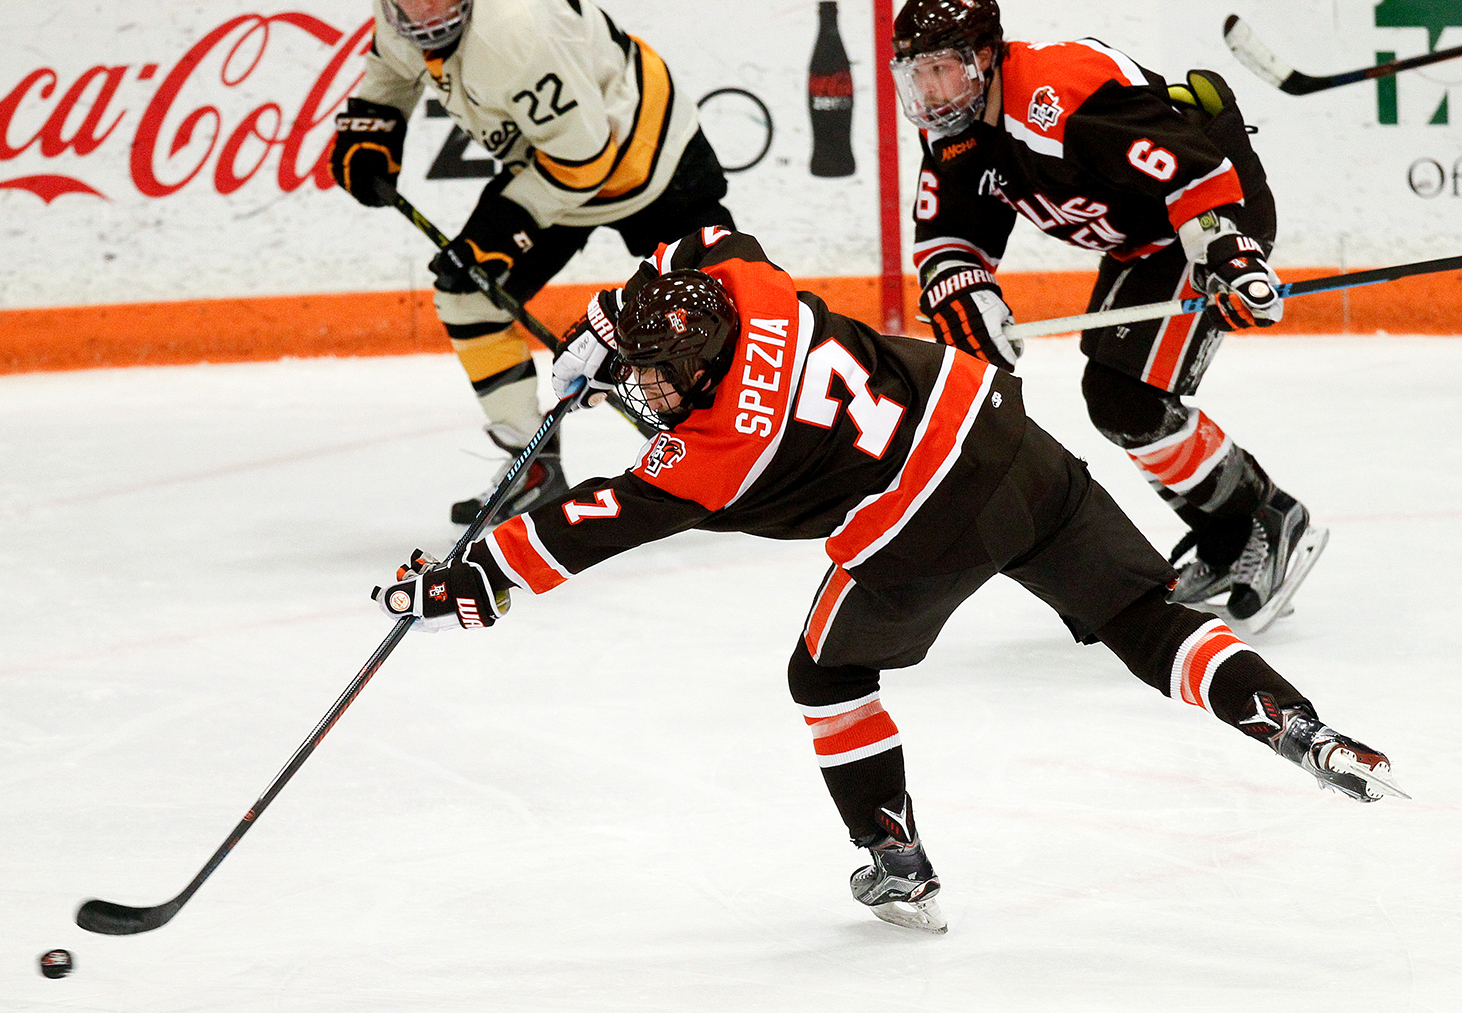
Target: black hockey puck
{"x":56,"y":963}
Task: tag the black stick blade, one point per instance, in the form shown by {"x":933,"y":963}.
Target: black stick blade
{"x":110,"y":919}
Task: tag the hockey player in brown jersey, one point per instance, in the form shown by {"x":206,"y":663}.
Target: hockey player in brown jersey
{"x":1097,"y":151}
{"x":585,"y":127}
{"x":916,"y":464}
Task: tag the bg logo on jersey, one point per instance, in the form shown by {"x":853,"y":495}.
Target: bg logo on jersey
{"x":1044,"y":110}
{"x":664,"y":453}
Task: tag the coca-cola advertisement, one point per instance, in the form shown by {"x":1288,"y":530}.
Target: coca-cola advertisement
{"x":153,"y":152}
{"x":156,"y":152}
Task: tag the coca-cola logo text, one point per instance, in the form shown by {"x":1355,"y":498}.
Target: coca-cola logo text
{"x":181,"y":130}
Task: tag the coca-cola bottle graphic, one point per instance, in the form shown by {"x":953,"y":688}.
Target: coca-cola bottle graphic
{"x":830,"y":97}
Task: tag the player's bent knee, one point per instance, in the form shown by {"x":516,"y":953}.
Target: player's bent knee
{"x":814,"y":685}
{"x":1127,"y":411}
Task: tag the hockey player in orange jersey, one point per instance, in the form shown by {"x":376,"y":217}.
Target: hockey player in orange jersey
{"x":918,"y":467}
{"x":1099,"y":152}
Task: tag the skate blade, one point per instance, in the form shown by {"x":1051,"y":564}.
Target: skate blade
{"x":1342,"y":761}
{"x":1219,"y":609}
{"x":1306,"y":553}
{"x":923,"y":915}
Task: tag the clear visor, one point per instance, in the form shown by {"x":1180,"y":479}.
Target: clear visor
{"x":427,"y":24}
{"x":943,"y":91}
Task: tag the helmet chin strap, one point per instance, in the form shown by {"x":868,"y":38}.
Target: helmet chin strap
{"x":992,"y":79}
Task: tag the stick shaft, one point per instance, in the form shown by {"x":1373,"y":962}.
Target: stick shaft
{"x":1156,"y":311}
{"x":495,"y":292}
{"x":115,"y":919}
{"x":1251,"y":51}
{"x":480,"y":278}
{"x":1304,"y":84}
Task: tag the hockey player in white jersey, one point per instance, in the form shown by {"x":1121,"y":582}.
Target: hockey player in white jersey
{"x":587,"y":129}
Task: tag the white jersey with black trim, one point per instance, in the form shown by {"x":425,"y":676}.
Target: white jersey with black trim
{"x":585,"y":116}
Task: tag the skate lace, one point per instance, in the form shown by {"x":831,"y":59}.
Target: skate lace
{"x":1251,"y":561}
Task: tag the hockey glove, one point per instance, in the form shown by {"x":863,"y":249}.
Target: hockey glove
{"x":965,"y":309}
{"x":589,"y":349}
{"x":442,"y":595}
{"x":496,"y":234}
{"x":368,"y":141}
{"x":1230,"y":267}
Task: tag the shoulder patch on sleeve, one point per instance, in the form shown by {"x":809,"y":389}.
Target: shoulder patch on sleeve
{"x":1046,"y":82}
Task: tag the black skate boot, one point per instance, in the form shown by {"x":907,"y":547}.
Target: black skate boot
{"x":901,"y":883}
{"x":1337,"y":761}
{"x":540,"y":481}
{"x":1206,"y":574}
{"x":1283,"y":545}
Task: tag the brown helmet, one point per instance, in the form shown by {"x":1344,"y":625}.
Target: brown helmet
{"x":936,"y":66}
{"x":924,"y":26}
{"x":684,"y":325}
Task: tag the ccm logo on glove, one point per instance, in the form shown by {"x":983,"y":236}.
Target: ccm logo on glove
{"x":363,"y":124}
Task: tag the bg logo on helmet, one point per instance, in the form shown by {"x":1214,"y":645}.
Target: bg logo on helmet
{"x":676,"y":318}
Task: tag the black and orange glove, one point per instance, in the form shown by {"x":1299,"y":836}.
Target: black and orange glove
{"x":966,"y":310}
{"x":498,"y":232}
{"x":450,"y":595}
{"x":369,"y":138}
{"x":1230,"y":267}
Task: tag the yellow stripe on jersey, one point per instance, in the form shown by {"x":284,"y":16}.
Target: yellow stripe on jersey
{"x":588,"y":174}
{"x":638,"y":161}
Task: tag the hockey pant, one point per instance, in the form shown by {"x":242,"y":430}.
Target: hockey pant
{"x":1057,"y":532}
{"x":498,"y":357}
{"x":1138,"y":373}
{"x":1133,"y":386}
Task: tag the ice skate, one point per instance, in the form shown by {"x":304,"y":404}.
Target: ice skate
{"x":901,"y":883}
{"x":541,"y":481}
{"x":1337,"y":761}
{"x":1198,"y":582}
{"x":1199,"y":579}
{"x":1282,"y":548}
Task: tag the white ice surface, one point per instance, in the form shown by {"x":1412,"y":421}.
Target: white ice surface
{"x":608,"y":801}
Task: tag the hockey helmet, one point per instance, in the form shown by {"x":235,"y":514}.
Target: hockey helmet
{"x":936,"y":67}
{"x":428,"y":24}
{"x":676,"y":335}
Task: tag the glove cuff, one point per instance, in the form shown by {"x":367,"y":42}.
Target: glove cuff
{"x":945,"y":286}
{"x":355,"y":106}
{"x":480,"y":558}
{"x":1197,"y":234}
{"x":501,"y":224}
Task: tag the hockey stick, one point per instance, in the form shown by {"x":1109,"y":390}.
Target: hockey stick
{"x":494,"y":291}
{"x":1253,"y":54}
{"x":480,"y":278}
{"x":112,"y":919}
{"x":1177,"y":307}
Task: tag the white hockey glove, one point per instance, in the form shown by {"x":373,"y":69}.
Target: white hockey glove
{"x":442,"y":595}
{"x":965,"y":308}
{"x":589,"y":349}
{"x":1230,"y":266}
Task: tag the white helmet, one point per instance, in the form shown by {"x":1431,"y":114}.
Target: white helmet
{"x":440,"y":28}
